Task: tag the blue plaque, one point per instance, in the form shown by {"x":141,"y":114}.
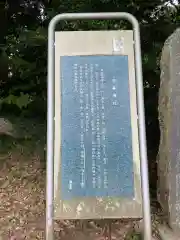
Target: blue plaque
{"x":96,"y":140}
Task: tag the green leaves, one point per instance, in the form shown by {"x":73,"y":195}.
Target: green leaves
{"x":21,"y":101}
{"x":26,"y":42}
{"x":34,"y":38}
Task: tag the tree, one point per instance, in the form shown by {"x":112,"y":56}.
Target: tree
{"x":26,"y":43}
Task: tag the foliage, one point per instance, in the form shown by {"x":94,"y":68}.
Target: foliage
{"x":21,"y":101}
{"x":25,"y":47}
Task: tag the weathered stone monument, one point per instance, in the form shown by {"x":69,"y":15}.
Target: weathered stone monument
{"x":169,"y":118}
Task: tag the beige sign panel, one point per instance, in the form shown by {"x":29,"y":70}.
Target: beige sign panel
{"x":94,"y":43}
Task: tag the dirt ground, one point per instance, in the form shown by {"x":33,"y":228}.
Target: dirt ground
{"x":22,"y":203}
{"x":22,"y":208}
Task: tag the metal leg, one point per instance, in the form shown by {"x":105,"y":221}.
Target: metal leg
{"x":50,"y":140}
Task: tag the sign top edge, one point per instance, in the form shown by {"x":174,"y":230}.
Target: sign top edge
{"x":96,"y":31}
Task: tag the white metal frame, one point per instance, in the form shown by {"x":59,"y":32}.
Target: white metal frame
{"x":50,"y":115}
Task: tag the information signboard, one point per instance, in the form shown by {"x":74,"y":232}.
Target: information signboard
{"x":96,"y":152}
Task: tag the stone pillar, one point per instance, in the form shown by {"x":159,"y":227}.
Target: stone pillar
{"x":169,"y":119}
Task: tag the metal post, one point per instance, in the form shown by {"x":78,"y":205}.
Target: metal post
{"x":50,"y":116}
